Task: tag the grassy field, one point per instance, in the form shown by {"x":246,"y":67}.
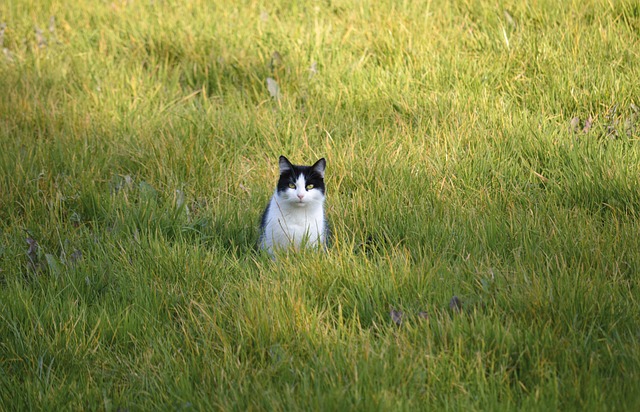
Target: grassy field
{"x":483,"y":149}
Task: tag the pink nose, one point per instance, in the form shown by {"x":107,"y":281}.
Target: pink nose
{"x":300,"y":197}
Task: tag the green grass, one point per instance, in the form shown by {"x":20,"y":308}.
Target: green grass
{"x":140,"y":145}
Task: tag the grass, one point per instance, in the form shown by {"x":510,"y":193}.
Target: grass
{"x":140,"y":145}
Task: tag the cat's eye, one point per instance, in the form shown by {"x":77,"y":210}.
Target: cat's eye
{"x":292,"y":186}
{"x":309,"y":187}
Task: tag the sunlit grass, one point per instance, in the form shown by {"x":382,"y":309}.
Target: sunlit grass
{"x":474,"y":149}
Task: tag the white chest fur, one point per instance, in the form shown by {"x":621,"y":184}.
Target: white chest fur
{"x":288,"y":224}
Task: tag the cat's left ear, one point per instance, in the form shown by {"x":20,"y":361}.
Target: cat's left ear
{"x":284,"y":164}
{"x":319,"y":167}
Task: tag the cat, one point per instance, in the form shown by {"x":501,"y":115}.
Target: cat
{"x":295,"y":215}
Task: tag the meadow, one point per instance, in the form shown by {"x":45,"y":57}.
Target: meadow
{"x":487,"y":150}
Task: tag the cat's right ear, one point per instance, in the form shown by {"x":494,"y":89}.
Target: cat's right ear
{"x":285,"y":165}
{"x":319,"y":167}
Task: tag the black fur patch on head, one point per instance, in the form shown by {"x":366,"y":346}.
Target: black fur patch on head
{"x":289,"y":173}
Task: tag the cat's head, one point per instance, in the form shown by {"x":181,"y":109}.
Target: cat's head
{"x":301,"y":185}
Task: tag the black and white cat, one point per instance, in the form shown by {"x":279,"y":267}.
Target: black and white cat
{"x":295,"y":215}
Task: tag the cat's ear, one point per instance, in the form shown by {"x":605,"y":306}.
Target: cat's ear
{"x":285,"y":165}
{"x":319,"y":167}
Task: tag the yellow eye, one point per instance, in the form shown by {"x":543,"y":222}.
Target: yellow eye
{"x":309,"y":187}
{"x":292,"y":186}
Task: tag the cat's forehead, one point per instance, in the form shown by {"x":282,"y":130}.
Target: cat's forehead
{"x":300,"y":171}
{"x":297,"y":178}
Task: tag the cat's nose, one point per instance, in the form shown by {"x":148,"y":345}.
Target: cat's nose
{"x":300,"y":196}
